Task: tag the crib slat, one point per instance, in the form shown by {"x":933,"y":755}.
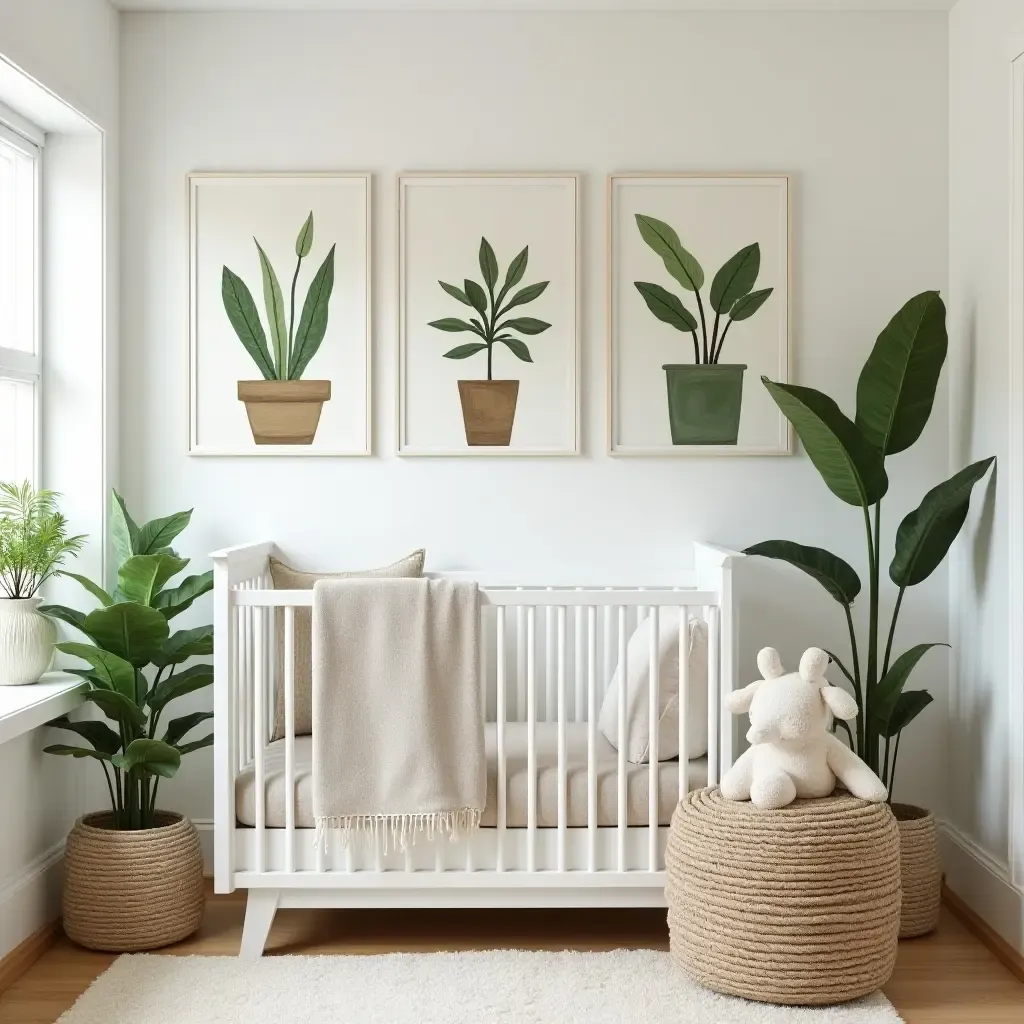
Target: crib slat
{"x":654,"y":671}
{"x":258,"y":722}
{"x":581,"y":679}
{"x":711,"y":617}
{"x":549,"y":663}
{"x":622,"y":741}
{"x":289,"y":737}
{"x":520,"y":662}
{"x":609,"y":665}
{"x":684,"y":699}
{"x":502,"y":768}
{"x":531,"y":740}
{"x":562,"y":809}
{"x":591,"y":739}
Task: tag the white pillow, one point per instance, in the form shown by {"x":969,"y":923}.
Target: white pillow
{"x":638,"y":688}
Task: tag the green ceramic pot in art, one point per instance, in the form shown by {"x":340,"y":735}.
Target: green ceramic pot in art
{"x":704,"y":402}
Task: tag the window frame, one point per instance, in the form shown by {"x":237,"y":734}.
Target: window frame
{"x":16,"y":364}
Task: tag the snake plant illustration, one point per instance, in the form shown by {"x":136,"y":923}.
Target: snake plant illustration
{"x":282,"y":408}
{"x":705,"y":397}
{"x":489,"y":406}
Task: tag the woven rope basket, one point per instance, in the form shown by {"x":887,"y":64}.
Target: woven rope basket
{"x":795,"y":906}
{"x":920,"y":871}
{"x":127,"y":891}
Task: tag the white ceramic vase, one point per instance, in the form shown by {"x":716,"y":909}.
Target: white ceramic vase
{"x":26,"y":641}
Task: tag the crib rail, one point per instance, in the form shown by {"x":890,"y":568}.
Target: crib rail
{"x":548,"y":654}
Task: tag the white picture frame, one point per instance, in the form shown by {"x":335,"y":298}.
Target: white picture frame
{"x":326,"y":417}
{"x":443,"y":219}
{"x":665,"y":398}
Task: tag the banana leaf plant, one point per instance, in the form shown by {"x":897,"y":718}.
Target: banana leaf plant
{"x":293,"y":346}
{"x":895,"y":394}
{"x":732,"y":293}
{"x":136,"y":665}
{"x":491,"y":306}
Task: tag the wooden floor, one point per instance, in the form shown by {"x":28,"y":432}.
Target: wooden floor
{"x":946,"y":978}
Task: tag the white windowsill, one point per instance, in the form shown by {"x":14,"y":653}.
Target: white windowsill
{"x":23,"y":708}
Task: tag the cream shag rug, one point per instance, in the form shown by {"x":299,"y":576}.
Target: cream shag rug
{"x":620,"y":987}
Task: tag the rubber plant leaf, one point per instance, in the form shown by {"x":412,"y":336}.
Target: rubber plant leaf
{"x":185,"y":644}
{"x":123,"y":531}
{"x":488,"y":264}
{"x":99,"y":734}
{"x":465,"y":351}
{"x":456,"y":293}
{"x":149,"y":757}
{"x":887,"y":693}
{"x":273,"y":300}
{"x":747,"y":306}
{"x":837,"y":576}
{"x":94,"y":588}
{"x":735,"y":278}
{"x":666,"y":307}
{"x":853,"y":470}
{"x":897,"y":385}
{"x":178,"y":727}
{"x":477,"y":296}
{"x":662,"y":238}
{"x":181,"y":683}
{"x":525,"y":325}
{"x":927,"y":533}
{"x":143,"y":576}
{"x":524,"y":295}
{"x":313,"y":321}
{"x":158,"y":534}
{"x":909,"y":705}
{"x":108,"y":670}
{"x":453,"y":325}
{"x":131,"y":631}
{"x":241,"y":311}
{"x":518,"y":348}
{"x":117,"y":707}
{"x":173,"y":602}
{"x":304,"y":242}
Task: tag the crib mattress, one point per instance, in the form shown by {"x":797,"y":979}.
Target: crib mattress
{"x":637,"y":779}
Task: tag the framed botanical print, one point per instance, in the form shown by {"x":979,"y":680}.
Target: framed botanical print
{"x":698,"y":288}
{"x":280,"y":314}
{"x":488,"y":306}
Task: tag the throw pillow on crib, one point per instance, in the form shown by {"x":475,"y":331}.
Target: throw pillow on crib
{"x":638,"y":688}
{"x":287,"y":578}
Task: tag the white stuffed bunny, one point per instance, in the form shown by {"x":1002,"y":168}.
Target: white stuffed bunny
{"x":792,"y":753}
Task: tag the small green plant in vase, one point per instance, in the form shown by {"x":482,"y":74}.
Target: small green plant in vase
{"x":34,"y":544}
{"x":705,"y":397}
{"x":282,"y":407}
{"x":489,"y":406}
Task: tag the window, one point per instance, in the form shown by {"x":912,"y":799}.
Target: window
{"x":20,"y":363}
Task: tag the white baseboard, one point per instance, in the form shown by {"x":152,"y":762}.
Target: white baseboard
{"x":31,"y":898}
{"x":982,"y":883}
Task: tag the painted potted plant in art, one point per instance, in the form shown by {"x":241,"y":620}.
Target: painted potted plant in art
{"x":282,"y":407}
{"x":705,"y":397}
{"x":134,"y":873}
{"x":895,"y":393}
{"x":34,"y":544}
{"x":489,"y":406}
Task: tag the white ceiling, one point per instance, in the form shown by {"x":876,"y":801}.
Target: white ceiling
{"x":534,"y":5}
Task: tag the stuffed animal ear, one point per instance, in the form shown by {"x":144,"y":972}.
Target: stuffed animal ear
{"x":813,"y":665}
{"x":769,"y":664}
{"x":839,"y":702}
{"x":739,"y":701}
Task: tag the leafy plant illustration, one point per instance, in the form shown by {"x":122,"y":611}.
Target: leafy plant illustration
{"x":731,"y":296}
{"x":293,"y":346}
{"x":491,"y":307}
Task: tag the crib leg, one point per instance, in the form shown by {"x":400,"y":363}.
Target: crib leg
{"x":260,"y":908}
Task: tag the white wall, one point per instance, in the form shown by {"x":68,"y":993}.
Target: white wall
{"x":853,"y":105}
{"x":982,"y":34}
{"x":68,"y":52}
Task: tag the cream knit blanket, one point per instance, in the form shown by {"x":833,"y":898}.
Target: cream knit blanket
{"x":398,"y":734}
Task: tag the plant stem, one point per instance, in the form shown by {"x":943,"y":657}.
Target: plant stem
{"x":120,"y":799}
{"x":870,"y":752}
{"x":696,"y":348}
{"x":721,"y":342}
{"x":714,"y":336}
{"x":885,"y":763}
{"x":892,"y":630}
{"x":892,"y":769}
{"x":110,"y":789}
{"x":703,"y":324}
{"x":284,"y":371}
{"x":857,"y":690}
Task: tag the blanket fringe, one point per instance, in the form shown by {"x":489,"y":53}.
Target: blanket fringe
{"x":401,"y":829}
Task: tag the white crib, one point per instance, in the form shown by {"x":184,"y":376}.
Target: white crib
{"x":548,"y":653}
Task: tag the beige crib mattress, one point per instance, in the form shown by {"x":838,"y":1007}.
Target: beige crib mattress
{"x":637,"y":776}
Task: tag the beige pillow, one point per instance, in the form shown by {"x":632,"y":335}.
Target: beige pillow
{"x":287,"y":578}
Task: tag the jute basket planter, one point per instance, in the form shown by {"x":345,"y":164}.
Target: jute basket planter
{"x":919,"y":869}
{"x":795,"y":906}
{"x":127,"y":891}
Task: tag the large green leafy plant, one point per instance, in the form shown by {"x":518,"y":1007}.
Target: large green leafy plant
{"x":34,"y":541}
{"x":136,"y":665}
{"x":732,"y":293}
{"x":895,"y":394}
{"x":293,"y":346}
{"x":492,"y":306}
